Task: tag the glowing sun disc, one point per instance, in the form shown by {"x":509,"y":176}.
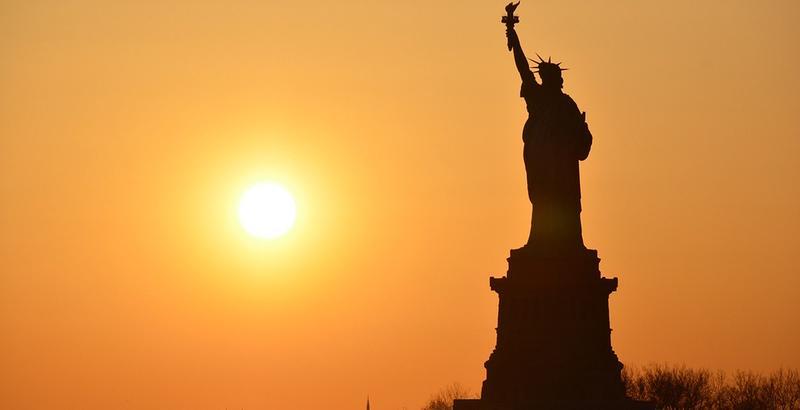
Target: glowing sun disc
{"x":267,"y":210}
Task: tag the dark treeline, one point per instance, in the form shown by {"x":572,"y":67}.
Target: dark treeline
{"x":680,"y":387}
{"x":443,"y":400}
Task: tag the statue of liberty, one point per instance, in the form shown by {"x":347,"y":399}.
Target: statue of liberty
{"x":555,"y":138}
{"x":553,"y":347}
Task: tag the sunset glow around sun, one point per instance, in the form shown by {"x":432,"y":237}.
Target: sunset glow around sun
{"x":296,"y":205}
{"x":267,"y":210}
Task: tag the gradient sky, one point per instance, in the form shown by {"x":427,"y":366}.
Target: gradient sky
{"x":129,"y":129}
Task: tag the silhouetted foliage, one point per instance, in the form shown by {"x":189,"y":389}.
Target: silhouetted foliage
{"x":680,"y":387}
{"x":674,"y":388}
{"x":443,"y":400}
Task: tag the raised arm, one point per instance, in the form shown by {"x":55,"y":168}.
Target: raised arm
{"x":519,"y":56}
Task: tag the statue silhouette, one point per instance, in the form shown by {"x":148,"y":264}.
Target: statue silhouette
{"x":556,"y":137}
{"x":553,"y":347}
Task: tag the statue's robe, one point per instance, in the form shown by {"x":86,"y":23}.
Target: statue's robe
{"x":556,"y":137}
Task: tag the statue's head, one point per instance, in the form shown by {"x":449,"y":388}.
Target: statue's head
{"x":550,"y":73}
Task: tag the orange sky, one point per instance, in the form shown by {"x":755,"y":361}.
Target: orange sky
{"x":128,"y":131}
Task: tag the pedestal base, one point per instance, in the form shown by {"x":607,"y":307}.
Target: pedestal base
{"x":553,"y":346}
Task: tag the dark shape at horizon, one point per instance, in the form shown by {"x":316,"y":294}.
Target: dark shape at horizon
{"x":553,"y":346}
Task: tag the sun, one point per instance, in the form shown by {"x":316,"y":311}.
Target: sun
{"x":267,"y":210}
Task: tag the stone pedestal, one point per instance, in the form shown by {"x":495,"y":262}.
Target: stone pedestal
{"x":553,"y":337}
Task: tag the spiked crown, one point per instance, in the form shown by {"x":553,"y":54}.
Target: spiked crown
{"x":547,"y":68}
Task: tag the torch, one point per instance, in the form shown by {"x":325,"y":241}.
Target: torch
{"x":510,"y":19}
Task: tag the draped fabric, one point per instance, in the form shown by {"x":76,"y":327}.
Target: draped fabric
{"x":556,"y":137}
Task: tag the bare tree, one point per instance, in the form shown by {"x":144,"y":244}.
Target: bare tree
{"x":673,"y":387}
{"x":443,"y":400}
{"x":683,"y":388}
